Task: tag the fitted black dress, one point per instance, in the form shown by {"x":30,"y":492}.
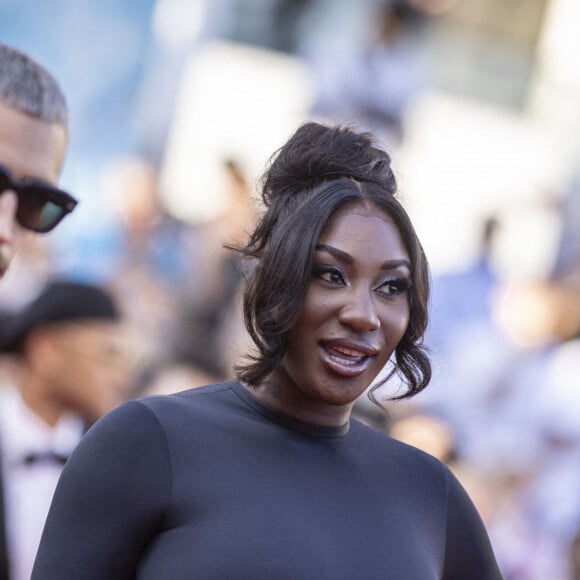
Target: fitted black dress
{"x":211,"y":484}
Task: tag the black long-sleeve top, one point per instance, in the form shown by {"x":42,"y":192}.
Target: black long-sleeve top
{"x":211,"y":484}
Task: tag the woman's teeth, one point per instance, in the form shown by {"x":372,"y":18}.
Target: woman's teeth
{"x":346,"y":357}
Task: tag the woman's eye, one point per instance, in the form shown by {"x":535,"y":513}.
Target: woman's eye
{"x":331,"y":276}
{"x":395,"y":287}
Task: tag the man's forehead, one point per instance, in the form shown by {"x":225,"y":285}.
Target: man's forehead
{"x":30,"y":147}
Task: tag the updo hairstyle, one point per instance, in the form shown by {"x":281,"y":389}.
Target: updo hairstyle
{"x":319,"y":170}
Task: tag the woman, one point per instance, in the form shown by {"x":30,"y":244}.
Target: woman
{"x":266,"y":476}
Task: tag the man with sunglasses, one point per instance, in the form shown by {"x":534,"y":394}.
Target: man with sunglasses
{"x":33,"y":140}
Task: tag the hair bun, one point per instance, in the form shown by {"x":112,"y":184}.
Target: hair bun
{"x":317,"y":153}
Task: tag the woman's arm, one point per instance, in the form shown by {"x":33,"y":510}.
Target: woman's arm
{"x":110,"y":502}
{"x":468,"y":552}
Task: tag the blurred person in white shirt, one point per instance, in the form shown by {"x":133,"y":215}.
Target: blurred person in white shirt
{"x":70,"y":363}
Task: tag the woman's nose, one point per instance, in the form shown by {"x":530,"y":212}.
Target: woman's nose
{"x":360,"y":311}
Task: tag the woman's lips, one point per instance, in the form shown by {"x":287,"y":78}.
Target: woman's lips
{"x":347,"y":359}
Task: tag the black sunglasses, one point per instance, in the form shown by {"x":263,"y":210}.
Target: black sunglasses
{"x":40,"y":206}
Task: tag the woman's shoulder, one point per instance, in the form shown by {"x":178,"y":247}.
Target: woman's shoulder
{"x":391,"y":450}
{"x":159,"y":409}
{"x":194,"y":408}
{"x":189,"y":397}
{"x":423,"y":475}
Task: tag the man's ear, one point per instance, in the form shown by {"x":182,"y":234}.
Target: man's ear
{"x":41,"y":347}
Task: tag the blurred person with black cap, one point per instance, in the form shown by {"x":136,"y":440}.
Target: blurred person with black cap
{"x":70,"y":353}
{"x":33,"y":140}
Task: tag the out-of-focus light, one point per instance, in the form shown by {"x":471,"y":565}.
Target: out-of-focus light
{"x":433,"y":7}
{"x":560,"y":45}
{"x":177,"y":22}
{"x":536,"y":313}
{"x":428,"y":433}
{"x":236,"y":102}
{"x":463,"y":160}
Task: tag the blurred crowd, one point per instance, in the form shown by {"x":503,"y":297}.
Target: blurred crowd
{"x":506,"y":354}
{"x":503,"y":408}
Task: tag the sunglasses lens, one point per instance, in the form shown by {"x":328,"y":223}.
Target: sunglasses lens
{"x":4,"y":180}
{"x":36,"y":211}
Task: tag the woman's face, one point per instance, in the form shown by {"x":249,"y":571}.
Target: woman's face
{"x":355,"y":312}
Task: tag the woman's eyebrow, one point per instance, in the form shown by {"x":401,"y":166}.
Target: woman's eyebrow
{"x":344,"y":257}
{"x":394,"y":264}
{"x":338,"y":254}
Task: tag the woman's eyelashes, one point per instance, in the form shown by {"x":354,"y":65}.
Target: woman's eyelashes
{"x":394,"y":286}
{"x":330,"y":275}
{"x":390,"y":287}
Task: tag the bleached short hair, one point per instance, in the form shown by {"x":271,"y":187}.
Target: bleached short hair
{"x":28,"y":87}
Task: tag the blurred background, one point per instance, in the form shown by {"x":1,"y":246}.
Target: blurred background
{"x":176,"y":106}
